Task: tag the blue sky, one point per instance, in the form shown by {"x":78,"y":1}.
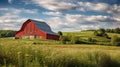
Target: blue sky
{"x":61,"y":15}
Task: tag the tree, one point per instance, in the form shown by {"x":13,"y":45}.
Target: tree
{"x":108,"y":30}
{"x":117,"y":30}
{"x":7,"y":33}
{"x":101,"y":32}
{"x":60,"y":33}
{"x":90,"y":39}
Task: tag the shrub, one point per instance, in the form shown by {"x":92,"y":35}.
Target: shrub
{"x":7,"y":33}
{"x":106,"y":36}
{"x":70,"y":40}
{"x":115,"y":40}
{"x":117,"y":30}
{"x":101,"y":32}
{"x":75,"y":40}
{"x":60,"y":33}
{"x":89,"y":39}
{"x":64,"y":39}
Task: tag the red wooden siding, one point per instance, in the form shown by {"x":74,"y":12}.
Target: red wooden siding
{"x":29,"y":29}
{"x":50,"y":36}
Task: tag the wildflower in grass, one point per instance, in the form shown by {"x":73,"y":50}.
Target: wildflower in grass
{"x":19,"y":53}
{"x":28,"y":55}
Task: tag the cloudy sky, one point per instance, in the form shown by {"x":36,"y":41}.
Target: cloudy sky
{"x":63,"y":15}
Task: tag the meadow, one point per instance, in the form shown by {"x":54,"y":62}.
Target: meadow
{"x":50,"y":53}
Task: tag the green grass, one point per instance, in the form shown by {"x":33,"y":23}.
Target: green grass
{"x":84,"y":35}
{"x":24,"y":53}
{"x":50,"y":53}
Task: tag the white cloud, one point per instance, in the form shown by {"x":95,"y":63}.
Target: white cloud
{"x":12,"y":13}
{"x":73,"y":18}
{"x":55,"y":22}
{"x":54,"y":4}
{"x":83,"y":18}
{"x":10,"y":1}
{"x":30,"y":11}
{"x":80,"y":22}
{"x":100,"y":7}
{"x":59,"y":21}
{"x":73,"y":5}
{"x":87,"y":6}
{"x":8,"y":16}
{"x":66,"y":22}
{"x":11,"y":18}
{"x":12,"y":24}
{"x":53,"y":13}
{"x":115,"y":11}
{"x":11,"y":21}
{"x":59,"y":5}
{"x":18,"y":11}
{"x":3,"y":9}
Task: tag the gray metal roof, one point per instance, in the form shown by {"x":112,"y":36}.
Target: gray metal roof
{"x":43,"y":26}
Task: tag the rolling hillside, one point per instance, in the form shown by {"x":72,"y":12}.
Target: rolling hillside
{"x":51,"y":53}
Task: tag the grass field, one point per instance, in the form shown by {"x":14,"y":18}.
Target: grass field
{"x":84,"y":35}
{"x":49,"y":53}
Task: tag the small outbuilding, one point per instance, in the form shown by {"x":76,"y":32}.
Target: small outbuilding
{"x":36,"y":29}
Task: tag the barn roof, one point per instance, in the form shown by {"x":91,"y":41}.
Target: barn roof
{"x":43,"y":26}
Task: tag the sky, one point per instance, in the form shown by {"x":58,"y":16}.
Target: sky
{"x":61,"y":15}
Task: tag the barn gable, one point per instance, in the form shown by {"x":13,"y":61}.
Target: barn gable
{"x":36,"y":29}
{"x":43,"y":26}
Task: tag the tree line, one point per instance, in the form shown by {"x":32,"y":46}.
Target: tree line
{"x":7,"y":33}
{"x":108,"y":40}
{"x":114,"y":40}
{"x":115,"y":30}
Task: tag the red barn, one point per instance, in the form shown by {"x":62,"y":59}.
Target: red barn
{"x":36,"y":29}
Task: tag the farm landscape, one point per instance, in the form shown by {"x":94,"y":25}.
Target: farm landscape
{"x":59,"y":33}
{"x":52,"y":53}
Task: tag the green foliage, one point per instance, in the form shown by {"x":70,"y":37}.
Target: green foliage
{"x":106,"y":36}
{"x":60,"y":33}
{"x":23,"y":53}
{"x":75,"y":40}
{"x":7,"y":33}
{"x":101,"y":32}
{"x":70,"y":39}
{"x":115,"y":40}
{"x":91,"y":40}
{"x":64,"y":39}
{"x":116,"y":30}
{"x":87,"y":37}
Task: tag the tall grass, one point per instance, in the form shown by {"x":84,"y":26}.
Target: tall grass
{"x":31,"y":55}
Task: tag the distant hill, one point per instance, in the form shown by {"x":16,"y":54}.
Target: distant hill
{"x":88,"y":35}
